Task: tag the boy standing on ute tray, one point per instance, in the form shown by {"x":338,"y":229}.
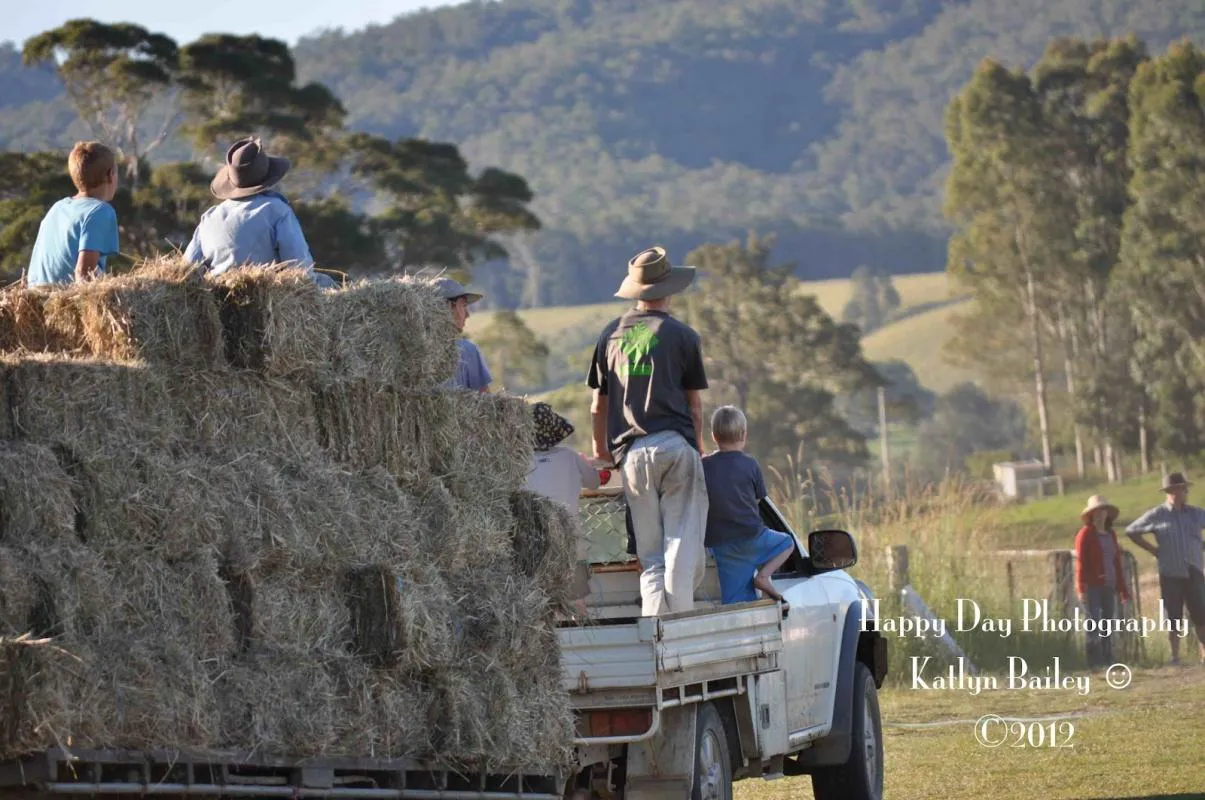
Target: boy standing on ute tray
{"x":78,"y":233}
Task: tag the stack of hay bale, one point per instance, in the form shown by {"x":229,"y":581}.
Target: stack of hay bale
{"x":239,"y":514}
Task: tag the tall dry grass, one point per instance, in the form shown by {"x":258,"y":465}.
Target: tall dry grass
{"x":952,"y":532}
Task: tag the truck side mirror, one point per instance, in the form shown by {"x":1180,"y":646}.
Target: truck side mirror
{"x":832,"y":549}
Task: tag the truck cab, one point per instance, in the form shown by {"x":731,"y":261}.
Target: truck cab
{"x":684,"y":704}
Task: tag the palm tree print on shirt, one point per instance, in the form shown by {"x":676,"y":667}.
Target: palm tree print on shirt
{"x":637,"y":347}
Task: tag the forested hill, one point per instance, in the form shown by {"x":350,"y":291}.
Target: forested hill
{"x":685,"y":121}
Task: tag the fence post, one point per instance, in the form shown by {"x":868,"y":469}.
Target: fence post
{"x":1012,"y":585}
{"x":897,"y":564}
{"x":1062,"y":577}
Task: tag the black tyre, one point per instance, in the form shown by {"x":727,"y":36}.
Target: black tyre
{"x":713,"y":763}
{"x":861,"y":777}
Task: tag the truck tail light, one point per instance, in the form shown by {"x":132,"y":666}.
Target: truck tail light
{"x":604,"y":477}
{"x":618,"y":722}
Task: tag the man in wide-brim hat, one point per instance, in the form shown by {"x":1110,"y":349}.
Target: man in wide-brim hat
{"x":253,"y":223}
{"x":1177,"y":528}
{"x":648,"y":378}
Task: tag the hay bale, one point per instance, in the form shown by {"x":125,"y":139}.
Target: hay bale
{"x":23,"y":322}
{"x":300,"y":615}
{"x":46,"y":697}
{"x":482,"y":443}
{"x":280,"y":702}
{"x":155,"y":693}
{"x":100,"y":405}
{"x":335,"y":519}
{"x":368,"y":424}
{"x":460,"y":535}
{"x":161,"y":313}
{"x":395,"y":331}
{"x":403,"y":705}
{"x":90,"y":403}
{"x":545,"y":540}
{"x":273,"y":320}
{"x":463,"y":725}
{"x":37,"y":496}
{"x":244,"y":411}
{"x":509,"y":622}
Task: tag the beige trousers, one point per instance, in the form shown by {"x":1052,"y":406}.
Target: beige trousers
{"x":667,"y":494}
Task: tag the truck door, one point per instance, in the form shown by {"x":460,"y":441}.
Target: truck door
{"x":808,"y":633}
{"x":807,"y":649}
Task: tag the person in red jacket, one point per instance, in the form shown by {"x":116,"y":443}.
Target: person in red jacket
{"x":1099,"y":579}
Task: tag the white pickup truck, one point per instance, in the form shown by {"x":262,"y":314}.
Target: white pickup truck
{"x":682,"y":705}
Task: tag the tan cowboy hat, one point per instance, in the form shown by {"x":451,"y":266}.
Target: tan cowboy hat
{"x":651,"y":277}
{"x":1098,"y":501}
{"x":248,"y":171}
{"x":1174,"y":481}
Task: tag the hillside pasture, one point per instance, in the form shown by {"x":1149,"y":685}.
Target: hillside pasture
{"x":920,"y":329}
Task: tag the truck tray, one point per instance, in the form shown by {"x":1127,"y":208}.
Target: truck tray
{"x":674,"y":650}
{"x":165,"y":772}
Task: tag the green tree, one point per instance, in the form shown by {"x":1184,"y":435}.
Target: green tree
{"x":907,"y":401}
{"x":340,"y":237}
{"x":113,"y":75}
{"x":437,"y":212}
{"x":29,"y":184}
{"x":1083,"y":88}
{"x":966,"y":421}
{"x":773,"y":351}
{"x":874,"y":299}
{"x":159,"y":216}
{"x":1163,"y":241}
{"x":1007,"y":209}
{"x":518,"y":359}
{"x":238,"y":85}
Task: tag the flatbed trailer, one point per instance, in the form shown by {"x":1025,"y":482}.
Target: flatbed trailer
{"x":72,"y":772}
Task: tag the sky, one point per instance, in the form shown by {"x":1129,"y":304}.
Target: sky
{"x":185,"y":20}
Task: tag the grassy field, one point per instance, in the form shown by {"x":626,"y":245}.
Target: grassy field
{"x":1146,"y":741}
{"x":1053,"y":521}
{"x":918,"y":340}
{"x":916,"y":337}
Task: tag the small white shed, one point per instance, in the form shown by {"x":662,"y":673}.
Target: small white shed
{"x":1019,"y":479}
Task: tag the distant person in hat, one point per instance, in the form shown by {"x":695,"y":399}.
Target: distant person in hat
{"x":254,"y":223}
{"x":560,"y":473}
{"x":471,"y":370}
{"x":79,"y":232}
{"x":648,"y":380}
{"x":1099,"y":579}
{"x":1177,"y":527}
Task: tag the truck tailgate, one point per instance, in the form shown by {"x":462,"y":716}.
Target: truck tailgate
{"x":649,"y":652}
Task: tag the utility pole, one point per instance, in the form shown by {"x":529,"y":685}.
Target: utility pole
{"x":884,"y":447}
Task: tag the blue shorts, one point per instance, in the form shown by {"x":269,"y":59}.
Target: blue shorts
{"x":738,"y":563}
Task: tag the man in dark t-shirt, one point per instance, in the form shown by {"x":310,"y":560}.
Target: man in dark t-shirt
{"x":647,"y":375}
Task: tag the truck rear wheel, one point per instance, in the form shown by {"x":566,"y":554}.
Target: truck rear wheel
{"x":713,"y":763}
{"x":860,"y":777}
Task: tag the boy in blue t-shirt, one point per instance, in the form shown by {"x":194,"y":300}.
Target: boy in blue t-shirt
{"x":746,"y":552}
{"x":78,"y":233}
